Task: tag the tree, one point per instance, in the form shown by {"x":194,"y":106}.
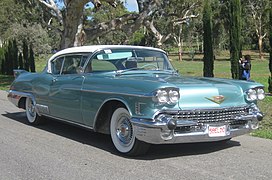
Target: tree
{"x":270,"y":50}
{"x":2,"y":59}
{"x":235,"y":37}
{"x":105,"y":14}
{"x":208,"y":41}
{"x":14,"y":54}
{"x":20,"y":20}
{"x":259,"y":15}
{"x":25,"y":56}
{"x":168,"y":21}
{"x":20,"y":60}
{"x":10,"y":59}
{"x":31,"y":33}
{"x":70,"y":17}
{"x":220,"y":25}
{"x":31,"y":59}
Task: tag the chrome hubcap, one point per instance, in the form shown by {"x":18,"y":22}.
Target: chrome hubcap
{"x":124,"y":130}
{"x":31,"y":109}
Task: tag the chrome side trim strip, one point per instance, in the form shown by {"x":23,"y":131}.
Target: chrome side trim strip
{"x":116,"y":93}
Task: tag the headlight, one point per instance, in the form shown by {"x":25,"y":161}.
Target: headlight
{"x":251,"y":95}
{"x":166,"y":96}
{"x":162,"y":96}
{"x":255,"y":94}
{"x":173,"y":96}
{"x":260,"y":94}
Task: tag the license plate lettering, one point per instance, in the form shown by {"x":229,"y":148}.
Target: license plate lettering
{"x":217,"y":131}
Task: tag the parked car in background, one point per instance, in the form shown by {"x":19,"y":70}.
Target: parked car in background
{"x":135,"y":95}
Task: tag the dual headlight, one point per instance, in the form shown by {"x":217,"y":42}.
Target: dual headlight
{"x":166,"y":96}
{"x":255,"y":94}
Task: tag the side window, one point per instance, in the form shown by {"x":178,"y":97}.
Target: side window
{"x":71,"y":64}
{"x":101,"y":65}
{"x":57,"y":65}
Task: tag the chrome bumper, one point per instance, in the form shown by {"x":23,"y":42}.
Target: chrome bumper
{"x":171,"y":131}
{"x":15,"y":96}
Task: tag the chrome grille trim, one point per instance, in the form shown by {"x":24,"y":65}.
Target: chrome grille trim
{"x":223,"y":115}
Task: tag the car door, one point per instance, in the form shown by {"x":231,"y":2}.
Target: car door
{"x":65,"y":90}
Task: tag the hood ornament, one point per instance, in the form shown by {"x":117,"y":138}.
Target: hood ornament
{"x":217,"y":99}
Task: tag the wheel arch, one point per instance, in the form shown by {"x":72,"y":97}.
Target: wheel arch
{"x":103,"y":117}
{"x":21,"y":103}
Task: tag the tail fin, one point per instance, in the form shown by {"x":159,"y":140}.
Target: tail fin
{"x":18,"y":72}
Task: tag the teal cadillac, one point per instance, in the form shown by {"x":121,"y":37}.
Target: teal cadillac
{"x":134,"y":94}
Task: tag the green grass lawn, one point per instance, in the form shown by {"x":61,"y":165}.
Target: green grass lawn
{"x":259,"y":73}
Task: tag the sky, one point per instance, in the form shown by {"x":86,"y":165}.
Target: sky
{"x":131,"y":5}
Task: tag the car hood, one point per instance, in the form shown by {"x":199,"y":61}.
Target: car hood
{"x":199,"y":92}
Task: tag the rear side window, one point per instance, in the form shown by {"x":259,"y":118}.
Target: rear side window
{"x":57,"y":65}
{"x":71,"y":64}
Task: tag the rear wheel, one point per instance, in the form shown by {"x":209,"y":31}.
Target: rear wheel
{"x":31,"y":114}
{"x":123,"y":134}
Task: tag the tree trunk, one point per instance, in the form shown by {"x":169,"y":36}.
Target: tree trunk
{"x":270,"y":51}
{"x":180,"y":51}
{"x":260,"y":43}
{"x":80,"y":37}
{"x":71,"y":21}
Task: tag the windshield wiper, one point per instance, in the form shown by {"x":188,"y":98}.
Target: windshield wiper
{"x":120,"y":72}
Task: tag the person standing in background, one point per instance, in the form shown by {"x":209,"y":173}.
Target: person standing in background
{"x":245,"y":67}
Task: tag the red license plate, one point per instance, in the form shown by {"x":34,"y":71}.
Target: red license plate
{"x":217,"y":131}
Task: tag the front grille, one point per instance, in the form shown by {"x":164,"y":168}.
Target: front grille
{"x":202,"y":116}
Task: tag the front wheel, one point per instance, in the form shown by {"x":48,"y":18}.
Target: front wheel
{"x":123,"y":135}
{"x":31,"y":114}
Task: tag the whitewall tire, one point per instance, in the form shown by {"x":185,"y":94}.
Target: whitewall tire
{"x":123,"y":135}
{"x":31,"y":114}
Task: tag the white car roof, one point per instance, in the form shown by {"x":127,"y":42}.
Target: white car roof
{"x":93,"y":48}
{"x":90,"y":49}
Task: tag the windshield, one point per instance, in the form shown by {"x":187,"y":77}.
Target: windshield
{"x":128,"y":59}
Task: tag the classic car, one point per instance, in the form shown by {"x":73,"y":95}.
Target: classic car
{"x":135,"y":95}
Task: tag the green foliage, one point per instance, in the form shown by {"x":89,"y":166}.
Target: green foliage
{"x":9,"y":59}
{"x":270,"y":50}
{"x":12,"y":59}
{"x":23,"y":19}
{"x":31,"y":59}
{"x":220,"y":25}
{"x":25,"y":56}
{"x":270,"y":84}
{"x":105,"y":14}
{"x":235,"y":37}
{"x":31,"y":33}
{"x":5,"y":82}
{"x":208,"y":42}
{"x":138,"y":38}
{"x":2,"y":58}
{"x":20,"y":61}
{"x":270,"y":40}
